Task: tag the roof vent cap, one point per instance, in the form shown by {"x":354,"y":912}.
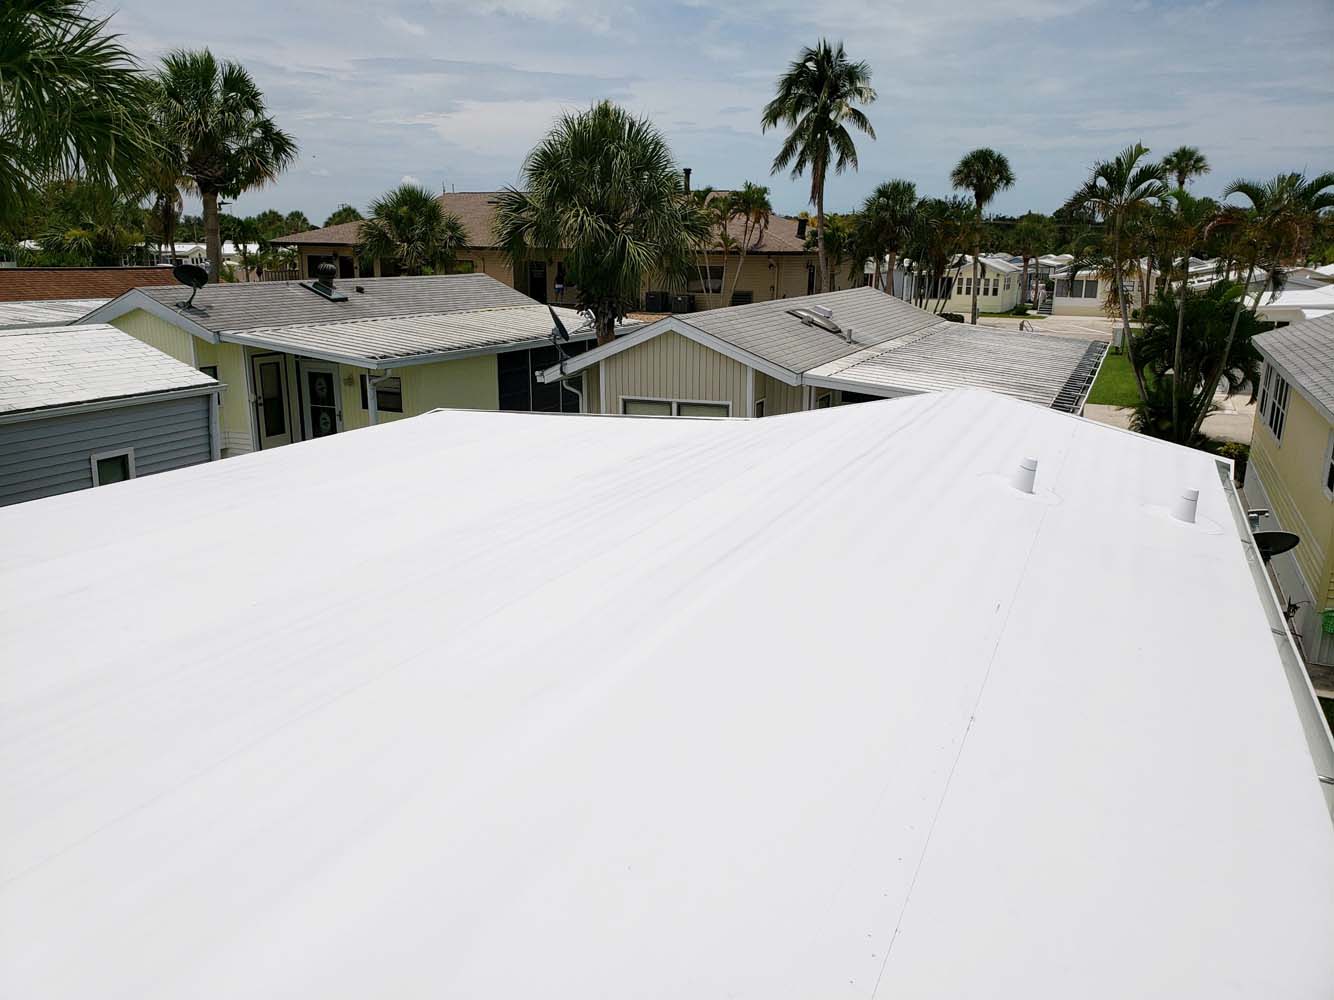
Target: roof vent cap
{"x":809,"y":317}
{"x":824,"y":311}
{"x":324,"y":285}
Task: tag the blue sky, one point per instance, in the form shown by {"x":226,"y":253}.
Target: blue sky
{"x":453,"y":94}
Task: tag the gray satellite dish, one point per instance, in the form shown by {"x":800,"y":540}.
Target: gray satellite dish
{"x":1274,"y":543}
{"x":193,"y":277}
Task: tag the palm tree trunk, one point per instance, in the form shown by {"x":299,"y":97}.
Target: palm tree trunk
{"x":893,"y":267}
{"x":1207,"y":392}
{"x":975,"y":248}
{"x":605,"y":323}
{"x":826,"y":279}
{"x":212,"y":234}
{"x":1023,"y":283}
{"x":1176,"y":351}
{"x":1125,"y":315}
{"x":741,"y":262}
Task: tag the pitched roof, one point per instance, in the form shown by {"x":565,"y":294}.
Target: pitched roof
{"x":476,"y":210}
{"x":29,"y":284}
{"x":1304,"y":352}
{"x":62,"y":366}
{"x":255,"y":304}
{"x":634,"y":707}
{"x":46,"y":312}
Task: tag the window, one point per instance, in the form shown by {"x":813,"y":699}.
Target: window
{"x":1274,"y":393}
{"x":1090,"y":288}
{"x":210,"y":370}
{"x":1329,"y":465}
{"x":112,"y":466}
{"x":673,"y":408}
{"x":823,"y":402}
{"x":705,"y":279}
{"x":759,"y":412}
{"x":742,"y":298}
{"x":388,"y":394}
{"x":1007,"y":282}
{"x":518,"y":387}
{"x":968,"y":286}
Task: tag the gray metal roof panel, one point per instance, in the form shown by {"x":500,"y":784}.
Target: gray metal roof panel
{"x":59,"y":366}
{"x":1052,"y":371}
{"x":1306,"y":352}
{"x":252,"y":305}
{"x":765,"y":328}
{"x":49,"y":312}
{"x":403,"y":337}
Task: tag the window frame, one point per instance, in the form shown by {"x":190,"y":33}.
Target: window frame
{"x":694,"y":286}
{"x":1329,"y":466}
{"x":379,"y":400}
{"x":675,"y":405}
{"x":1276,"y":396}
{"x":102,"y":456}
{"x":760,"y":407}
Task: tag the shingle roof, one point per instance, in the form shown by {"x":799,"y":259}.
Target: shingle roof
{"x":398,"y":338}
{"x":260,"y":304}
{"x":476,"y":210}
{"x":1305,"y":352}
{"x":62,"y":366}
{"x":45,"y":313}
{"x":766,"y":329}
{"x":31,"y":284}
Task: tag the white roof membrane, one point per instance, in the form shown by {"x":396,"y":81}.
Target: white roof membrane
{"x":515,"y":705}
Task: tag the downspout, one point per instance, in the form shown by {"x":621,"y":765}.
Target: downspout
{"x":566,"y":382}
{"x":214,"y":426}
{"x":372,"y":397}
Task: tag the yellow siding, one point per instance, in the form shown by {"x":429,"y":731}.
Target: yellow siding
{"x":157,"y":332}
{"x":592,"y":402}
{"x":670,"y":366}
{"x":1292,"y":472}
{"x":465,"y":384}
{"x":779,"y":397}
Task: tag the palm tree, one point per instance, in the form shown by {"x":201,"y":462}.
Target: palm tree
{"x":602,"y":187}
{"x":751,"y":206}
{"x":890,"y":212}
{"x":1118,"y":190}
{"x":410,"y":227}
{"x":1033,"y":235}
{"x":341,"y":214}
{"x":983,"y":172}
{"x":815,"y":100}
{"x":70,"y":101}
{"x":215,"y":115}
{"x":1191,"y":217}
{"x":1185,"y":162}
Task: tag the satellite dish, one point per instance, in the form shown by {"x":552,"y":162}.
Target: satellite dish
{"x":193,"y":277}
{"x":558,"y":333}
{"x":1274,"y":543}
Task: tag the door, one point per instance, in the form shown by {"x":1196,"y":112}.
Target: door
{"x":537,"y":280}
{"x":321,"y":408}
{"x":270,"y":380}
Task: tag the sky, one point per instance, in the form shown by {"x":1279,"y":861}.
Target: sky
{"x":453,"y":95}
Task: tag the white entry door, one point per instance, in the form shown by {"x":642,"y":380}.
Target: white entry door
{"x":270,"y":379}
{"x":322,"y":409}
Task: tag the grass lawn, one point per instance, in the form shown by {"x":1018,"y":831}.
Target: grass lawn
{"x":1115,"y":385}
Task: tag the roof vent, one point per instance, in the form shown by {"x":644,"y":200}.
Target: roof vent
{"x":324,"y":285}
{"x":809,"y":317}
{"x":824,"y":311}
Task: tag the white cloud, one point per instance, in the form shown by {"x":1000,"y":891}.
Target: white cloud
{"x":319,"y":172}
{"x":409,"y":179}
{"x":403,"y":24}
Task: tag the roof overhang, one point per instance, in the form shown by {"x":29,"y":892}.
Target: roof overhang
{"x":668,"y":324}
{"x":135,"y":299}
{"x":115,"y":402}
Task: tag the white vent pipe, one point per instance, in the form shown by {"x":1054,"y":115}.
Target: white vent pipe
{"x":1025,"y":476}
{"x":1185,"y":506}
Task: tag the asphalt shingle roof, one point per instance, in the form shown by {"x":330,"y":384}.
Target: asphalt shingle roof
{"x":268,"y":304}
{"x":33,"y":284}
{"x":1306,"y":352}
{"x":41,"y":368}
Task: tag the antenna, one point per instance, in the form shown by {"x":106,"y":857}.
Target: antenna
{"x":192,"y":276}
{"x":558,"y":334}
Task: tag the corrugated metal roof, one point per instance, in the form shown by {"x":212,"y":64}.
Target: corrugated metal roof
{"x":41,"y":368}
{"x":514,"y":705}
{"x":413,"y":337}
{"x":1305,"y":351}
{"x":251,"y":305}
{"x":51,"y":312}
{"x":767,"y":330}
{"x":1053,"y":371}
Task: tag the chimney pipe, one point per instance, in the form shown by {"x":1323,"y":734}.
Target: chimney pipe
{"x":1025,"y":476}
{"x":1185,"y":506}
{"x":685,"y":174}
{"x":801,"y":229}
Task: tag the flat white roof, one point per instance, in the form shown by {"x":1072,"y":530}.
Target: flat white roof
{"x":513,"y":705}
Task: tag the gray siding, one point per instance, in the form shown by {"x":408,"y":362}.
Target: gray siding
{"x":40,"y":458}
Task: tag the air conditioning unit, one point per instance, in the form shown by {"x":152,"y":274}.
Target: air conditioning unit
{"x":657,"y":302}
{"x":683,"y":303}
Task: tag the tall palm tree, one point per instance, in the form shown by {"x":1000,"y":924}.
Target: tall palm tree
{"x":1185,"y":162}
{"x":982,"y":172}
{"x":603,"y":187}
{"x":750,"y":205}
{"x":1033,"y":235}
{"x":215,"y":115}
{"x":410,"y":227}
{"x":70,"y":98}
{"x":1191,"y":217}
{"x":1116,"y":191}
{"x":816,"y":100}
{"x":890,"y":212}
